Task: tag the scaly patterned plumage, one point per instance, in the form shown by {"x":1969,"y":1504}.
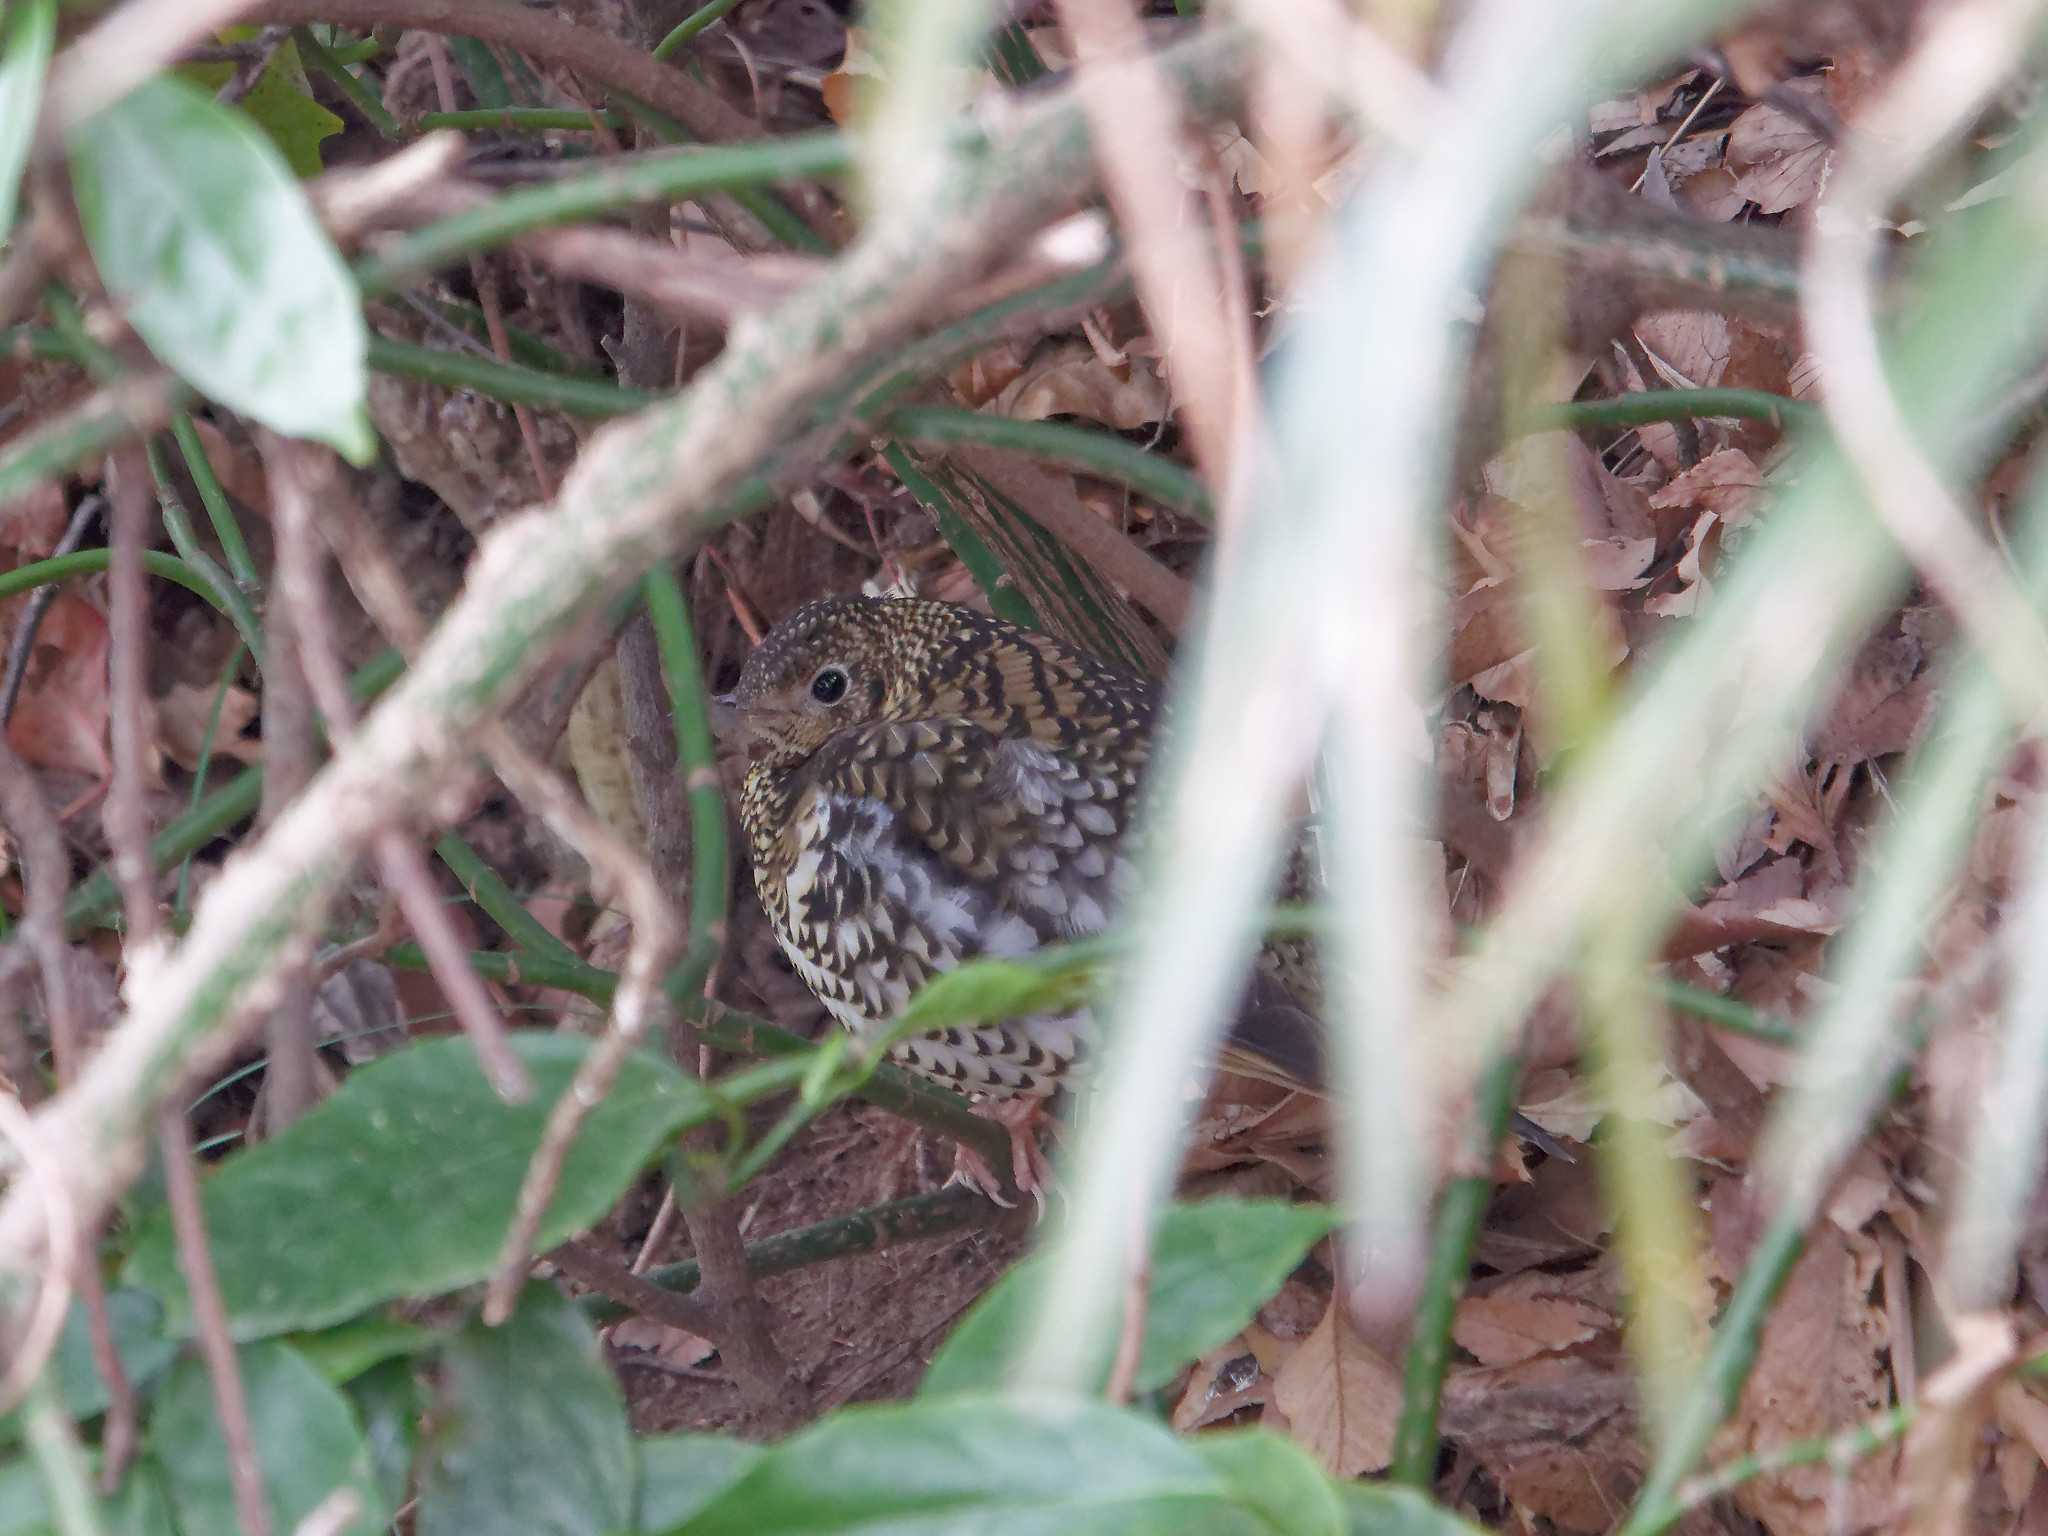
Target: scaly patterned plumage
{"x":931,"y":786}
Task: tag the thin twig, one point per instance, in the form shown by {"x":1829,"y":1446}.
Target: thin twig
{"x":1130,"y":1343}
{"x":47,"y":876}
{"x":127,"y":815}
{"x":625,"y":879}
{"x":300,"y":476}
{"x":251,"y":65}
{"x":615,"y":1282}
{"x":210,"y":1324}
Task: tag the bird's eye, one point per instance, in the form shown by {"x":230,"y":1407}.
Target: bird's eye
{"x":829,"y":686}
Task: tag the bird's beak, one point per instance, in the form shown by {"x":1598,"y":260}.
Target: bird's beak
{"x":724,"y":713}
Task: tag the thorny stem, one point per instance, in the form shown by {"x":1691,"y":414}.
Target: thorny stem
{"x":868,"y":1230}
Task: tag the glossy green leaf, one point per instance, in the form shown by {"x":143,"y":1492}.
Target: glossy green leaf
{"x":533,"y":1435}
{"x":344,"y":1352}
{"x":209,"y":244}
{"x":1008,"y":1466}
{"x":1375,"y":1509}
{"x":681,"y":1474}
{"x":307,"y":1444}
{"x":403,"y":1183}
{"x":137,"y":1321}
{"x":26,"y":30}
{"x":1213,"y":1263}
{"x":1276,"y":1478}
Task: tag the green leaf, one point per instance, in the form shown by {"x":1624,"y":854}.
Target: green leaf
{"x":1010,"y":1466}
{"x":24,"y":1507}
{"x":403,"y":1183}
{"x":280,"y":103}
{"x":210,"y":246}
{"x":1003,"y":989}
{"x":680,"y":1474}
{"x":307,"y":1444}
{"x":137,"y":1321}
{"x":389,"y":1406}
{"x":136,"y":1509}
{"x":534,"y":1435}
{"x":1213,"y":1263}
{"x":141,"y":1507}
{"x":1375,"y":1509}
{"x":343,"y":1353}
{"x":1277,"y":1478}
{"x":26,"y":31}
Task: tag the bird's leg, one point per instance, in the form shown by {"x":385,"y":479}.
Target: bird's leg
{"x":1020,"y":1118}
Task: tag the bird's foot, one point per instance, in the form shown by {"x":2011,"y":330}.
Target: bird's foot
{"x":1020,"y":1117}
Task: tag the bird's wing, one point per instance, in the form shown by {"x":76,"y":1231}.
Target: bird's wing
{"x":938,"y":841}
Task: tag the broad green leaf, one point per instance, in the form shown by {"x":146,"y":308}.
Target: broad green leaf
{"x":141,"y":1507}
{"x":403,"y":1183}
{"x":26,"y":30}
{"x":280,"y":103}
{"x":1374,"y":1509}
{"x":136,"y":1509}
{"x":307,"y":1444}
{"x":210,"y":246}
{"x":1277,"y":1478}
{"x":1009,"y":1466}
{"x":344,"y":1352}
{"x":137,"y":1321}
{"x":24,"y":1507}
{"x":389,"y":1405}
{"x":533,"y":1435}
{"x":1213,"y":1263}
{"x":680,"y":1474}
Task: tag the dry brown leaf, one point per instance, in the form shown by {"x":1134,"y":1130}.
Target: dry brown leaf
{"x":1693,"y":586}
{"x":1689,"y":347}
{"x":184,"y":714}
{"x":1072,"y":380}
{"x":1885,"y":702}
{"x":1725,"y":482}
{"x":60,"y":720}
{"x":32,"y":524}
{"x":1341,"y":1398}
{"x":1819,"y":1369}
{"x":1779,"y":161}
{"x":1534,"y":1313}
{"x":1223,"y":1382}
{"x":1557,"y":1432}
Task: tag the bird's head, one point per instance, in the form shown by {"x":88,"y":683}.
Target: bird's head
{"x":836,"y":663}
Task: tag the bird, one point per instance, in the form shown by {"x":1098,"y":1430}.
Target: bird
{"x":928,"y":786}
